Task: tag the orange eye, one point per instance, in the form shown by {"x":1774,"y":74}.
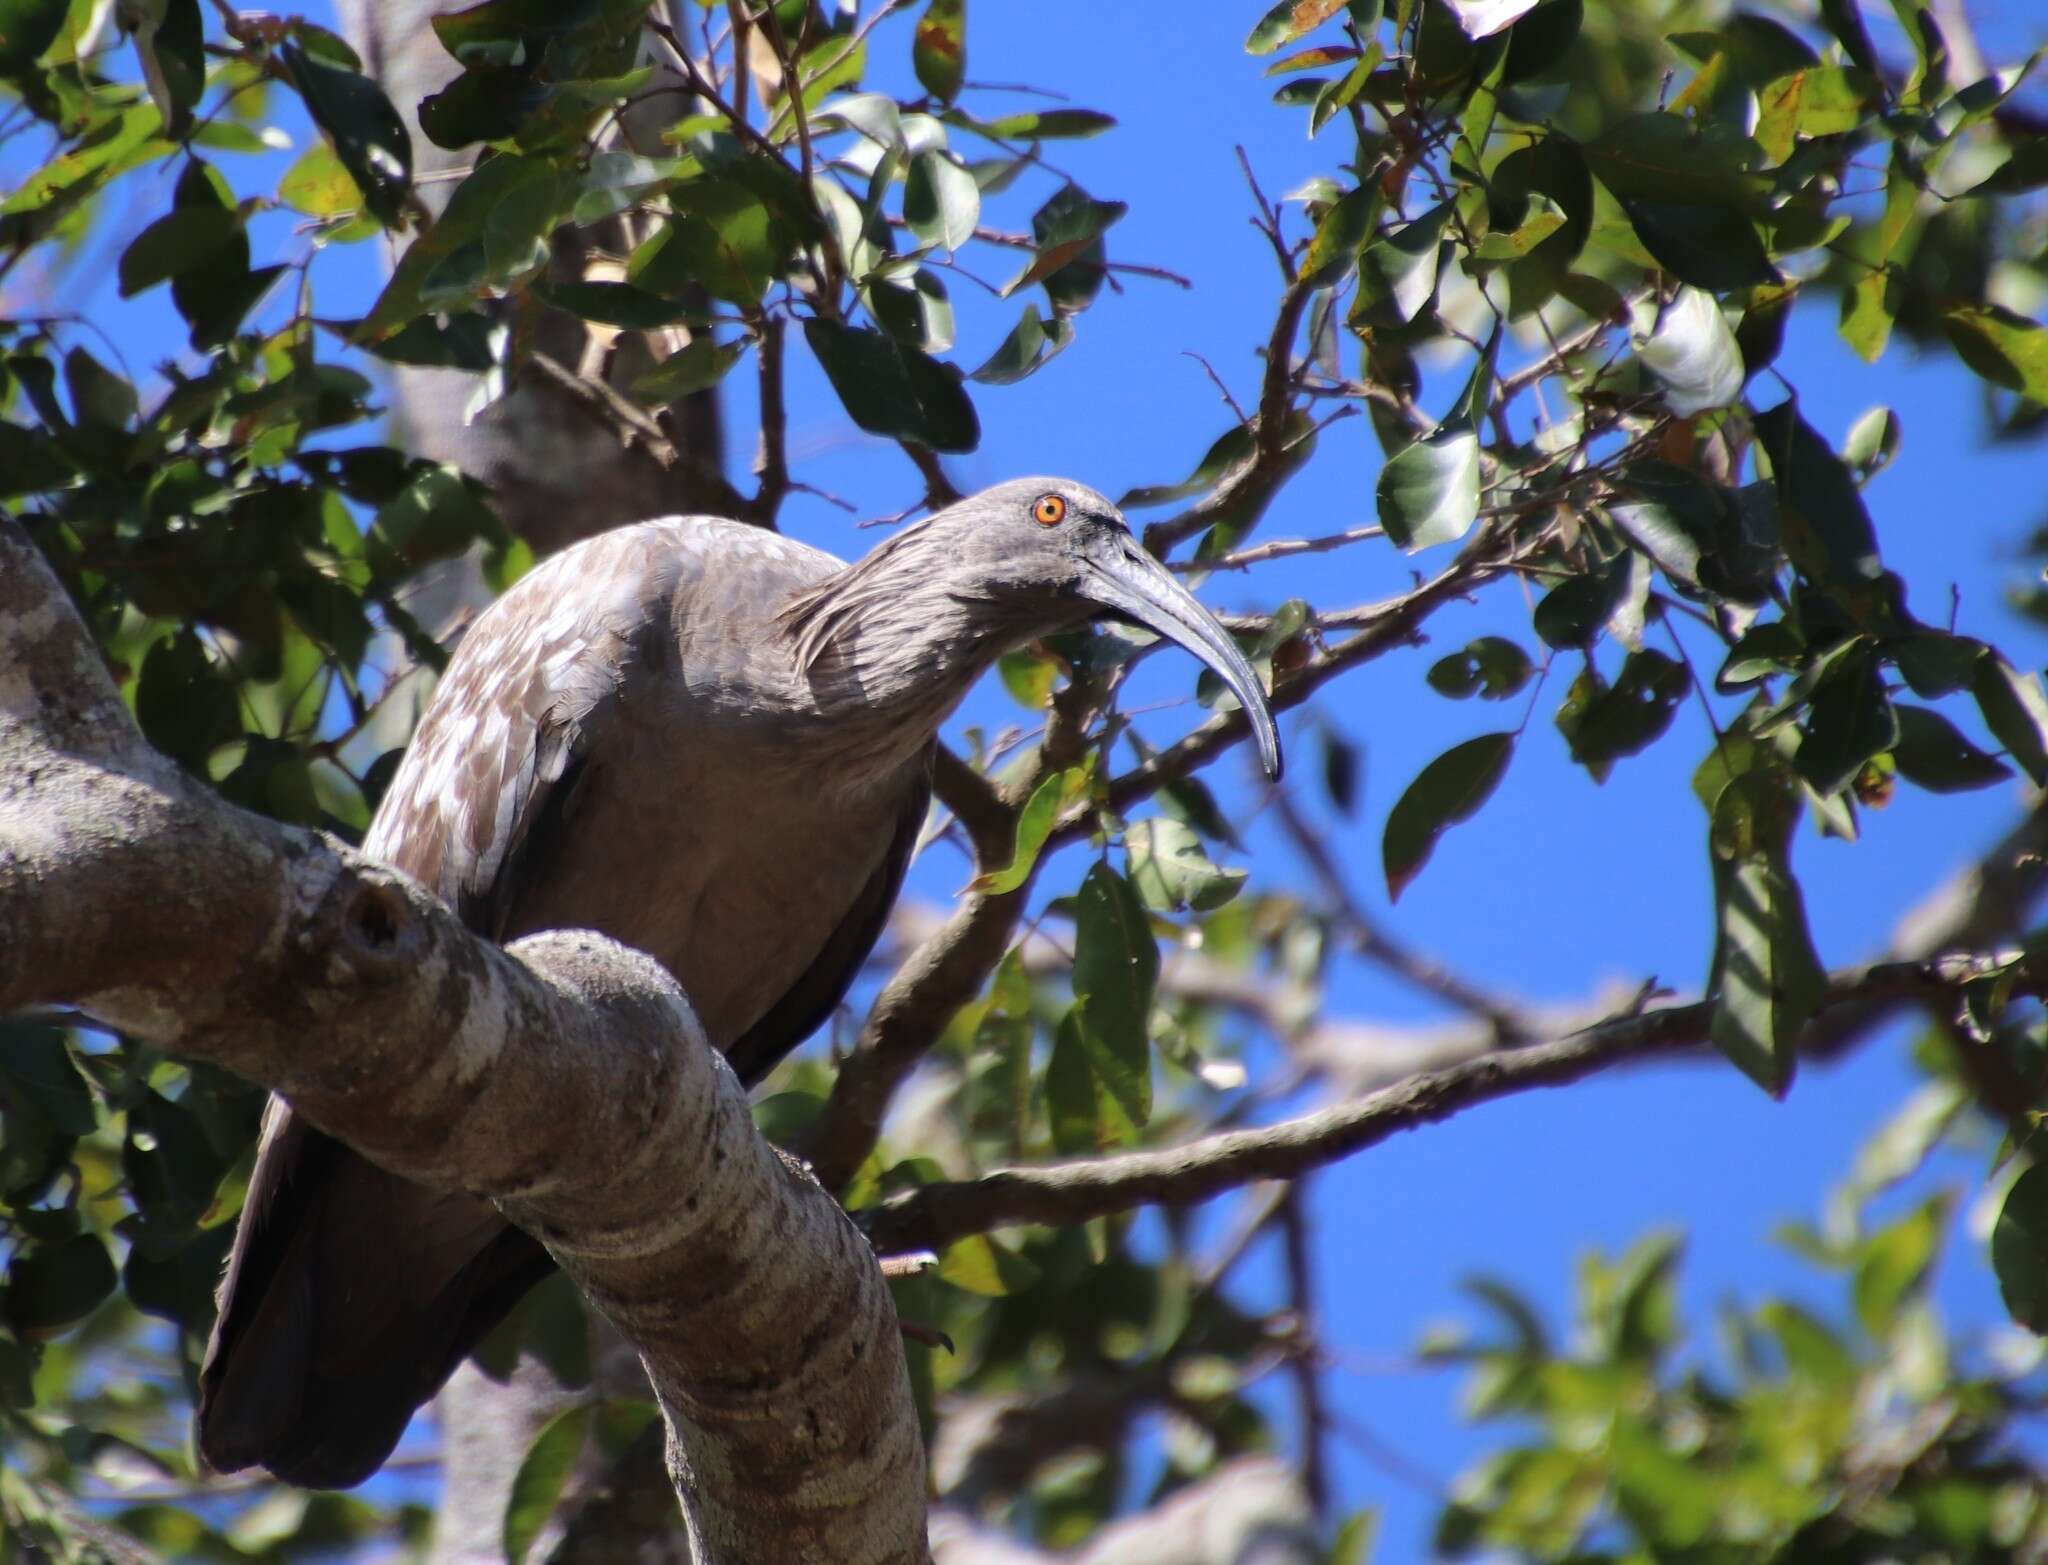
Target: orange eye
{"x":1049,"y":510}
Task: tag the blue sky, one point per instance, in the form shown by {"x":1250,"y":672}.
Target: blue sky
{"x":1558,"y":886}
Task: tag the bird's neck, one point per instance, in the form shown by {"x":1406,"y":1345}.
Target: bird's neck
{"x":886,"y":649}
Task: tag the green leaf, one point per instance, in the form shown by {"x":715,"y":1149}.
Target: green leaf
{"x":1403,"y":265}
{"x":543,"y":1473}
{"x":364,"y":129}
{"x":1116,"y":965}
{"x":52,"y":1285}
{"x":2015,"y":710}
{"x":2019,"y":1249}
{"x":1287,"y":21}
{"x":1555,"y":170}
{"x":1572,"y":612}
{"x":1765,"y":979}
{"x":1687,"y":345}
{"x":722,"y":235}
{"x":1340,"y":234}
{"x":893,"y":389}
{"x":2004,"y":347}
{"x":1068,"y":230}
{"x":1933,"y":753}
{"x":941,"y":201}
{"x":1894,"y":1265}
{"x":1429,"y":490}
{"x":1872,"y":442}
{"x":1048,"y":802}
{"x":980,"y":1265}
{"x":1033,"y":342}
{"x":318,"y":185}
{"x":702,"y":362}
{"x":938,"y":52}
{"x":180,"y":240}
{"x":1047,"y":125}
{"x":1083,"y":1113}
{"x":1448,"y":790}
{"x":1172,"y":873}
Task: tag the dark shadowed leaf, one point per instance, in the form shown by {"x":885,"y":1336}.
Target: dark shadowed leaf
{"x":51,"y":1285}
{"x":180,"y":240}
{"x":893,"y":389}
{"x":1827,"y":529}
{"x":27,"y":28}
{"x":612,"y":303}
{"x":1492,"y":668}
{"x":366,"y":132}
{"x":1849,"y":723}
{"x":1116,"y":964}
{"x":1933,"y":752}
{"x":2019,"y":1249}
{"x":1448,"y":790}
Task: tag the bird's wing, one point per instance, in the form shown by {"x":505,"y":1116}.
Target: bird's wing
{"x":350,"y":1294}
{"x":512,"y":719}
{"x":812,"y":997}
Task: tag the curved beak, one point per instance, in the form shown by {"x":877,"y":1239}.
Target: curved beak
{"x":1132,"y":583}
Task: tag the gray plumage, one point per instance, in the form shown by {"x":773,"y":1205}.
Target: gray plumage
{"x":711,"y":743}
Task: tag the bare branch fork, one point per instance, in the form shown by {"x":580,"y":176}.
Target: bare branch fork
{"x":565,"y":1078}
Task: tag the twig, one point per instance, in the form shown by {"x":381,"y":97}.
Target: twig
{"x":1279,"y":549}
{"x":771,"y":466}
{"x":1304,"y":1364}
{"x":1063,"y":1194}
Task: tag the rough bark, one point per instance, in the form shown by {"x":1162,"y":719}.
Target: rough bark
{"x":564,"y":1078}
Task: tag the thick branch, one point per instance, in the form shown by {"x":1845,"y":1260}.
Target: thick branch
{"x":566,"y":1079}
{"x":1066,"y":1193}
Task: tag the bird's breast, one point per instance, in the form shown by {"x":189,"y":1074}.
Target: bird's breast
{"x":720,"y":855}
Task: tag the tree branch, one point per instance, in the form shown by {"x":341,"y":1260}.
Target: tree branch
{"x":1066,"y":1193}
{"x":565,"y":1078}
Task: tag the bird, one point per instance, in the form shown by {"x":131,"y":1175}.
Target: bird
{"x":710,"y":742}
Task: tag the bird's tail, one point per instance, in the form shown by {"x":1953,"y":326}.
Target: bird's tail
{"x":350,"y":1296}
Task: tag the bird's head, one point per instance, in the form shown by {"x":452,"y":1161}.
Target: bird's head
{"x":1047,"y":551}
